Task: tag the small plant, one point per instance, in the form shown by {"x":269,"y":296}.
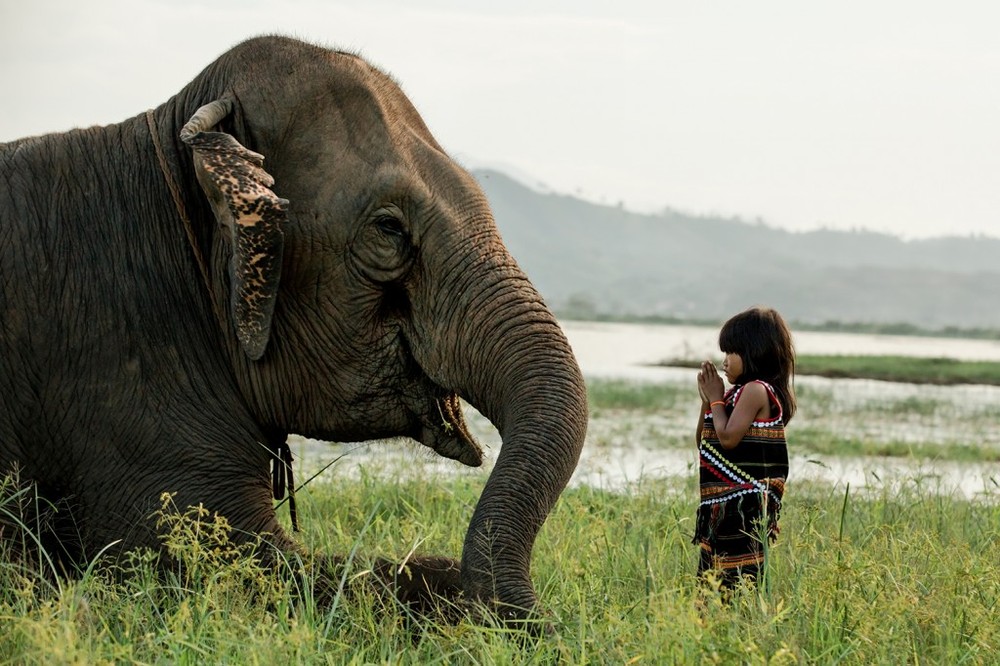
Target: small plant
{"x":26,"y":563}
{"x":205,"y":558}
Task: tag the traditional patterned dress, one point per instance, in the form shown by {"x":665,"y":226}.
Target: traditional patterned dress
{"x":741,"y":492}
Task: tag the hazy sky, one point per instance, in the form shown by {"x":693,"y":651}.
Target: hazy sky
{"x":876,"y":114}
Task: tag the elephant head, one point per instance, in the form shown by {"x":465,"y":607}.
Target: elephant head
{"x":367,"y":289}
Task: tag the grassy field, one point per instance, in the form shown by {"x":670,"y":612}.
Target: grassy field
{"x":913,"y":370}
{"x":855,"y":579}
{"x":901,"y":369}
{"x":904,"y":573}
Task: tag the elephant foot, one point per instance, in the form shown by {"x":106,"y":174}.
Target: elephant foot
{"x":426,"y":587}
{"x":425,"y":590}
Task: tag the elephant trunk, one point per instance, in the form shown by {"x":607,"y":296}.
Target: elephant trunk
{"x":513,"y":363}
{"x":543,"y":430}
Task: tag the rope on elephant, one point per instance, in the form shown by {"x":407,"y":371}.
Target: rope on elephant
{"x":286,"y":462}
{"x":283,"y":479}
{"x":175,"y":193}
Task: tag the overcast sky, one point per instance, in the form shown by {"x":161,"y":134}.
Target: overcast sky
{"x":875,"y":114}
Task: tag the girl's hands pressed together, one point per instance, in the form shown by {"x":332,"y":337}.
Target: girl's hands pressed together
{"x":710,"y":385}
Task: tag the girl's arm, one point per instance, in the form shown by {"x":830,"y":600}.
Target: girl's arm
{"x":731,"y":428}
{"x":752,"y":402}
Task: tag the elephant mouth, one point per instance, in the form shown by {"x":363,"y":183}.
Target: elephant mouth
{"x":437,"y":420}
{"x":443,"y":429}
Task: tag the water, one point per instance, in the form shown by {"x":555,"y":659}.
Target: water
{"x":877,"y":410}
{"x":621,"y":452}
{"x":620,"y":350}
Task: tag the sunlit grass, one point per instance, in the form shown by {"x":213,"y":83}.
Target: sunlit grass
{"x":900,"y":572}
{"x":622,"y":394}
{"x":875,"y":577}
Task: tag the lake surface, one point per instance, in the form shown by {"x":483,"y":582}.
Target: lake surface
{"x":953,"y":413}
{"x":627,"y":451}
{"x":625,"y":350}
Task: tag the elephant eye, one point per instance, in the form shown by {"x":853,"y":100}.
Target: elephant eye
{"x":389,"y":225}
{"x":384,"y":246}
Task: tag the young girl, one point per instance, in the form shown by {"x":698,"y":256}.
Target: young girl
{"x":741,"y":444}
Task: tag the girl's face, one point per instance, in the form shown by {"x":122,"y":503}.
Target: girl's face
{"x":732,"y":365}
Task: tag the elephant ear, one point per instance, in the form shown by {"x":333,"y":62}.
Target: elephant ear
{"x":238,"y":188}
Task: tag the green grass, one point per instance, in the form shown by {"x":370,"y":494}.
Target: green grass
{"x":855,"y":578}
{"x":902,"y":369}
{"x":908,"y":369}
{"x":900,"y":573}
{"x":821,"y":441}
{"x":622,"y":394}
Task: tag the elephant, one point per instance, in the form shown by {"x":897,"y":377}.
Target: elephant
{"x":170,"y":311}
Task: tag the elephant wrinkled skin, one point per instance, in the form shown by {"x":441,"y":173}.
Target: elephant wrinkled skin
{"x":282,"y":247}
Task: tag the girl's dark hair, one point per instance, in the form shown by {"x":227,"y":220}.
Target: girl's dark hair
{"x":762,"y":339}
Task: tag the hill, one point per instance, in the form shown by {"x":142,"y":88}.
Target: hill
{"x":590,"y":259}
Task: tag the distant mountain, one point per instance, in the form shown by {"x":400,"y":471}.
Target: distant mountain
{"x":589,"y":258}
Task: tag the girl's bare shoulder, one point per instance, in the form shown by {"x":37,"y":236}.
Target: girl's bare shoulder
{"x":754,"y":392}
